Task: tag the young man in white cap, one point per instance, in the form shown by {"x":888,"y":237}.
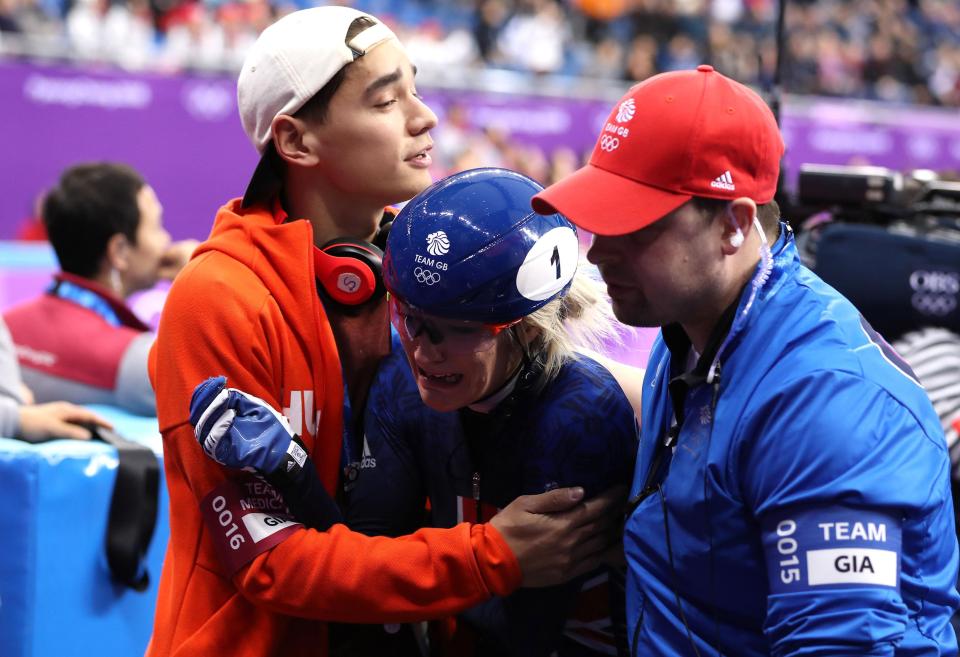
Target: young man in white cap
{"x":284,"y":299}
{"x":791,"y":494}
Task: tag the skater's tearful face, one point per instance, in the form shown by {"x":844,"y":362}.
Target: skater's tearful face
{"x":455,"y":363}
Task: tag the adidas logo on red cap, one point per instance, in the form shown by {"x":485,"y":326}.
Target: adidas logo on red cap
{"x":724,"y":181}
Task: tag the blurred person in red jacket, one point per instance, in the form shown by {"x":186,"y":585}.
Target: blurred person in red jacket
{"x":79,"y":341}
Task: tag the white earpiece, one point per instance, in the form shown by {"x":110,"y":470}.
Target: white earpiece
{"x":115,"y":281}
{"x":736,"y":240}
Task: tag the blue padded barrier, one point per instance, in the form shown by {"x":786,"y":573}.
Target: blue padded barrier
{"x":57,"y":598}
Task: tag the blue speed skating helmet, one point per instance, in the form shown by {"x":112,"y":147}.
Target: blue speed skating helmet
{"x":470,"y":247}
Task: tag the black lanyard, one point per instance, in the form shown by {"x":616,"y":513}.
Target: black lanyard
{"x":680,"y":385}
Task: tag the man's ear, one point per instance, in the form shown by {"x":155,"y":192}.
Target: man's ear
{"x":737,"y":224}
{"x":118,"y":252}
{"x":292,"y":141}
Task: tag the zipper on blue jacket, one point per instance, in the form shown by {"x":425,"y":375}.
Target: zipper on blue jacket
{"x":476,"y":496}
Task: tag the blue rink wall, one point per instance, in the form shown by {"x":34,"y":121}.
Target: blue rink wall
{"x":57,"y":598}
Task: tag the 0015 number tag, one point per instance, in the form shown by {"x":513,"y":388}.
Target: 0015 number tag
{"x":832,"y":546}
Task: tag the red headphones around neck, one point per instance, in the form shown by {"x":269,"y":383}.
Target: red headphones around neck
{"x":350,"y":271}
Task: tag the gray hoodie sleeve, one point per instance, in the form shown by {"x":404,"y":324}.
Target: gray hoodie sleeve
{"x":10,"y":380}
{"x":10,"y":398}
{"x":9,"y":418}
{"x":134,"y":392}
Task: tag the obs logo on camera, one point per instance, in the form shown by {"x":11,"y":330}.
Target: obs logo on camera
{"x":934,"y":292}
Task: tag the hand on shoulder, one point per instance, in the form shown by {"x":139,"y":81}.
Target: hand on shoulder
{"x":557,"y":536}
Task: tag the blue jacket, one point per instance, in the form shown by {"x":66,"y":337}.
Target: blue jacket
{"x":577,"y":430}
{"x":804,"y":507}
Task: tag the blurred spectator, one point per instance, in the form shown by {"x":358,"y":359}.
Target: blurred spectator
{"x":534,"y":38}
{"x":27,"y":17}
{"x":563,"y":162}
{"x":607,"y":60}
{"x":490,"y":18}
{"x":84,"y":25}
{"x":945,"y":74}
{"x":724,"y":12}
{"x":655,"y":18}
{"x":642,"y":58}
{"x":800,"y":65}
{"x":194,"y":39}
{"x":895,"y":50}
{"x":531,"y":161}
{"x":123,"y":32}
{"x":21,"y":418}
{"x":681,"y":54}
{"x":602,"y":10}
{"x":79,"y":341}
{"x":734,"y":53}
{"x":601,"y":17}
{"x":434,"y":48}
{"x":8,"y":16}
{"x":453,"y":136}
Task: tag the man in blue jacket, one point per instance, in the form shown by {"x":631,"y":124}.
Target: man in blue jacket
{"x":791,"y":495}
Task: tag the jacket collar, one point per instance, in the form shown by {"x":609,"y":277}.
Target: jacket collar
{"x":97,"y":298}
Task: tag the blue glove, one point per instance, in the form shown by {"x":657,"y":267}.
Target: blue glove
{"x":242,"y":431}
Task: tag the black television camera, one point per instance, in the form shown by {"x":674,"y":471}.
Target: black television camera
{"x":888,"y":242}
{"x":876,"y":195}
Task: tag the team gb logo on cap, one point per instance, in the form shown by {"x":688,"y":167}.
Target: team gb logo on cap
{"x":437,"y":243}
{"x":613,"y":133}
{"x":626,"y":111}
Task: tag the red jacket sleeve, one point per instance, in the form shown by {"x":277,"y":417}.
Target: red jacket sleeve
{"x":340,"y":575}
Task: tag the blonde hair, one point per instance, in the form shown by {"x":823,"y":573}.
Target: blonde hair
{"x":580,"y":320}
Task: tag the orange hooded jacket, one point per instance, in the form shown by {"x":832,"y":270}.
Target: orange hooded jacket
{"x":246,"y":307}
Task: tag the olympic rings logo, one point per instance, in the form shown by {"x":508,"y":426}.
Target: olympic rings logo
{"x":937,"y":305}
{"x":609,"y":144}
{"x":426,"y":276}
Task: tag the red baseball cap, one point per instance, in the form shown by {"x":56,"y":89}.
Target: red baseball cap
{"x":671,"y":137}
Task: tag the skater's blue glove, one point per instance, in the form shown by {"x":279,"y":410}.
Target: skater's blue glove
{"x":242,"y":431}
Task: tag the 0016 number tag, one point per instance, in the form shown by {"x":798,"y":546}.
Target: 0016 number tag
{"x":245,"y":518}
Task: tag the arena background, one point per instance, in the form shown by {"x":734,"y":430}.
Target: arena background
{"x":182,"y":132}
